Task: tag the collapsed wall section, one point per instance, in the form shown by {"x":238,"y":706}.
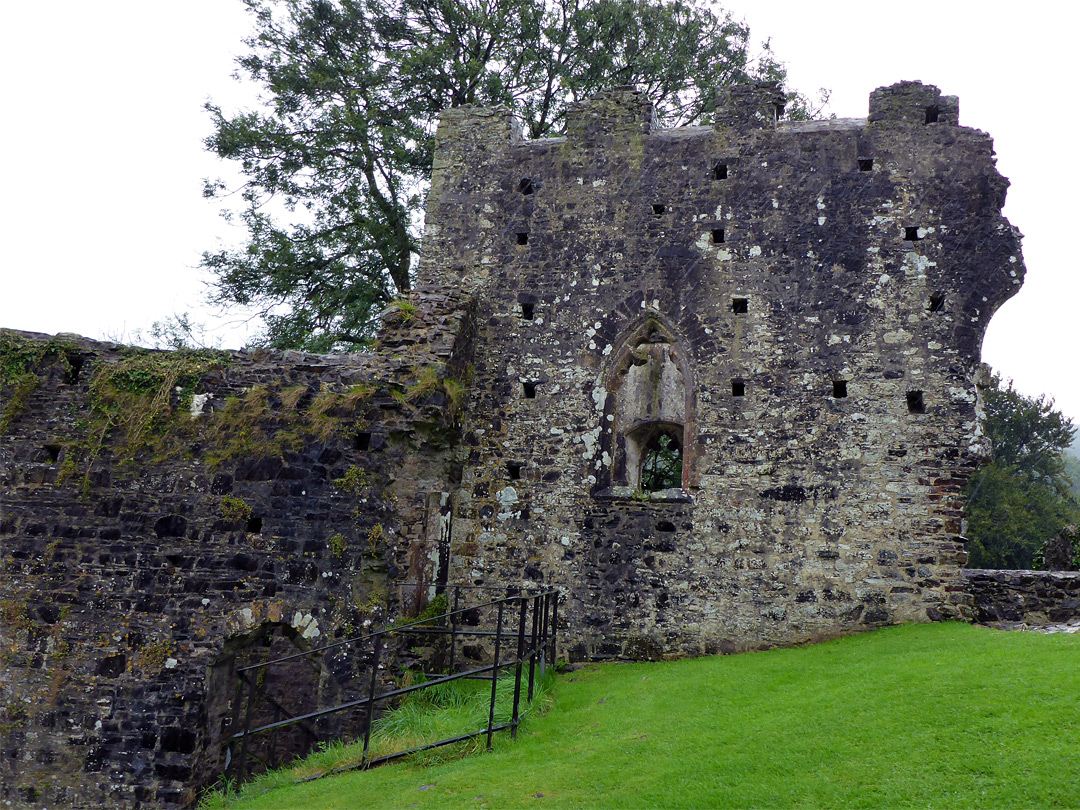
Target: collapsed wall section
{"x":170,"y":517}
{"x":787,"y":315}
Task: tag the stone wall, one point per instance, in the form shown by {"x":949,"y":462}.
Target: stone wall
{"x":1028,"y":597}
{"x":136,"y":580}
{"x":798,"y":305}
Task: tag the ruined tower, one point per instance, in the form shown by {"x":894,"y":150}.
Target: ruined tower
{"x":725,"y":383}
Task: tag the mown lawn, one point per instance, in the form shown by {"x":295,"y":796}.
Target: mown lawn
{"x":941,"y":715}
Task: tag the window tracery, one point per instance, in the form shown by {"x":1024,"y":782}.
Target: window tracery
{"x":648,"y":415}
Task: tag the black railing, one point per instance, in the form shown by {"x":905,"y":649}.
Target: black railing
{"x":257,"y":718}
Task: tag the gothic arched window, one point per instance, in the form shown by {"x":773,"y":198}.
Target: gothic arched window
{"x":649,"y":399}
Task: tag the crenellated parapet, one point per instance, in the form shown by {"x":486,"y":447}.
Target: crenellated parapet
{"x":610,"y":117}
{"x":913,"y":103}
{"x":746,"y":107}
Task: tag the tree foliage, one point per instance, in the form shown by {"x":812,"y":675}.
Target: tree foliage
{"x":1022,"y":498}
{"x":661,"y":467}
{"x":1072,"y":468}
{"x":336,"y":162}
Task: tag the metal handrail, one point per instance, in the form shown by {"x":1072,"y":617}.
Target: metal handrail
{"x":535,"y":646}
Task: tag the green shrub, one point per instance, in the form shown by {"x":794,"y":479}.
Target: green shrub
{"x":234,"y":509}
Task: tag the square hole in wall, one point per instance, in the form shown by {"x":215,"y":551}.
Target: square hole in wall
{"x":529,"y":390}
{"x":523,"y":237}
{"x":362,"y":440}
{"x":866,"y":164}
{"x":738,"y":388}
{"x":932,"y":114}
{"x":717,"y":235}
{"x":915,"y":403}
{"x":52,"y":452}
{"x":839,"y":389}
{"x":526,"y":185}
{"x":740,"y":306}
{"x":658,"y":209}
{"x":719,"y":171}
{"x":528,"y":311}
{"x":937,"y":302}
{"x":75,"y":364}
{"x":254,"y":525}
{"x":911,"y":233}
{"x":513,"y":470}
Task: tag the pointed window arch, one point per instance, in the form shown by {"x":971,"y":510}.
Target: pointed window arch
{"x":648,"y":411}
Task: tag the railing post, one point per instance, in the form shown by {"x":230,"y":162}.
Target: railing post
{"x":517,"y":669}
{"x":554,"y":624}
{"x":543,"y":633}
{"x":495,"y":673}
{"x":453,"y":627}
{"x":534,"y":641}
{"x":371,"y":697}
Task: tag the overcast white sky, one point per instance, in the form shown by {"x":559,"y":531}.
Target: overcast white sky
{"x":103,"y":223}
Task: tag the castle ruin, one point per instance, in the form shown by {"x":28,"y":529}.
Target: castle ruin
{"x":717,"y":384}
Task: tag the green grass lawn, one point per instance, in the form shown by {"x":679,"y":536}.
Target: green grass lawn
{"x":938,"y":715}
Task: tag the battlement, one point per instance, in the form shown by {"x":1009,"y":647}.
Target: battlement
{"x":913,"y":103}
{"x":745,"y":107}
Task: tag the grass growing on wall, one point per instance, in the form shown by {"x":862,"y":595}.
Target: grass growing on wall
{"x":915,"y":716}
{"x":137,"y":405}
{"x":18,"y":359}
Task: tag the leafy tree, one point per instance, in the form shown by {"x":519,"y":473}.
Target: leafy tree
{"x":336,"y":163}
{"x":661,"y":467}
{"x":1072,"y":468}
{"x":1021,"y":499}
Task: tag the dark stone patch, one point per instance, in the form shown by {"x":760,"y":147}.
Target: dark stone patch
{"x":171,"y":526}
{"x":791,"y":493}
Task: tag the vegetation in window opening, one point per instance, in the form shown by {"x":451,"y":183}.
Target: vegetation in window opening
{"x":661,"y":464}
{"x":234,"y":509}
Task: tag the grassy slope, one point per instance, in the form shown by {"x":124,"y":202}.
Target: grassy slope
{"x":921,"y":715}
